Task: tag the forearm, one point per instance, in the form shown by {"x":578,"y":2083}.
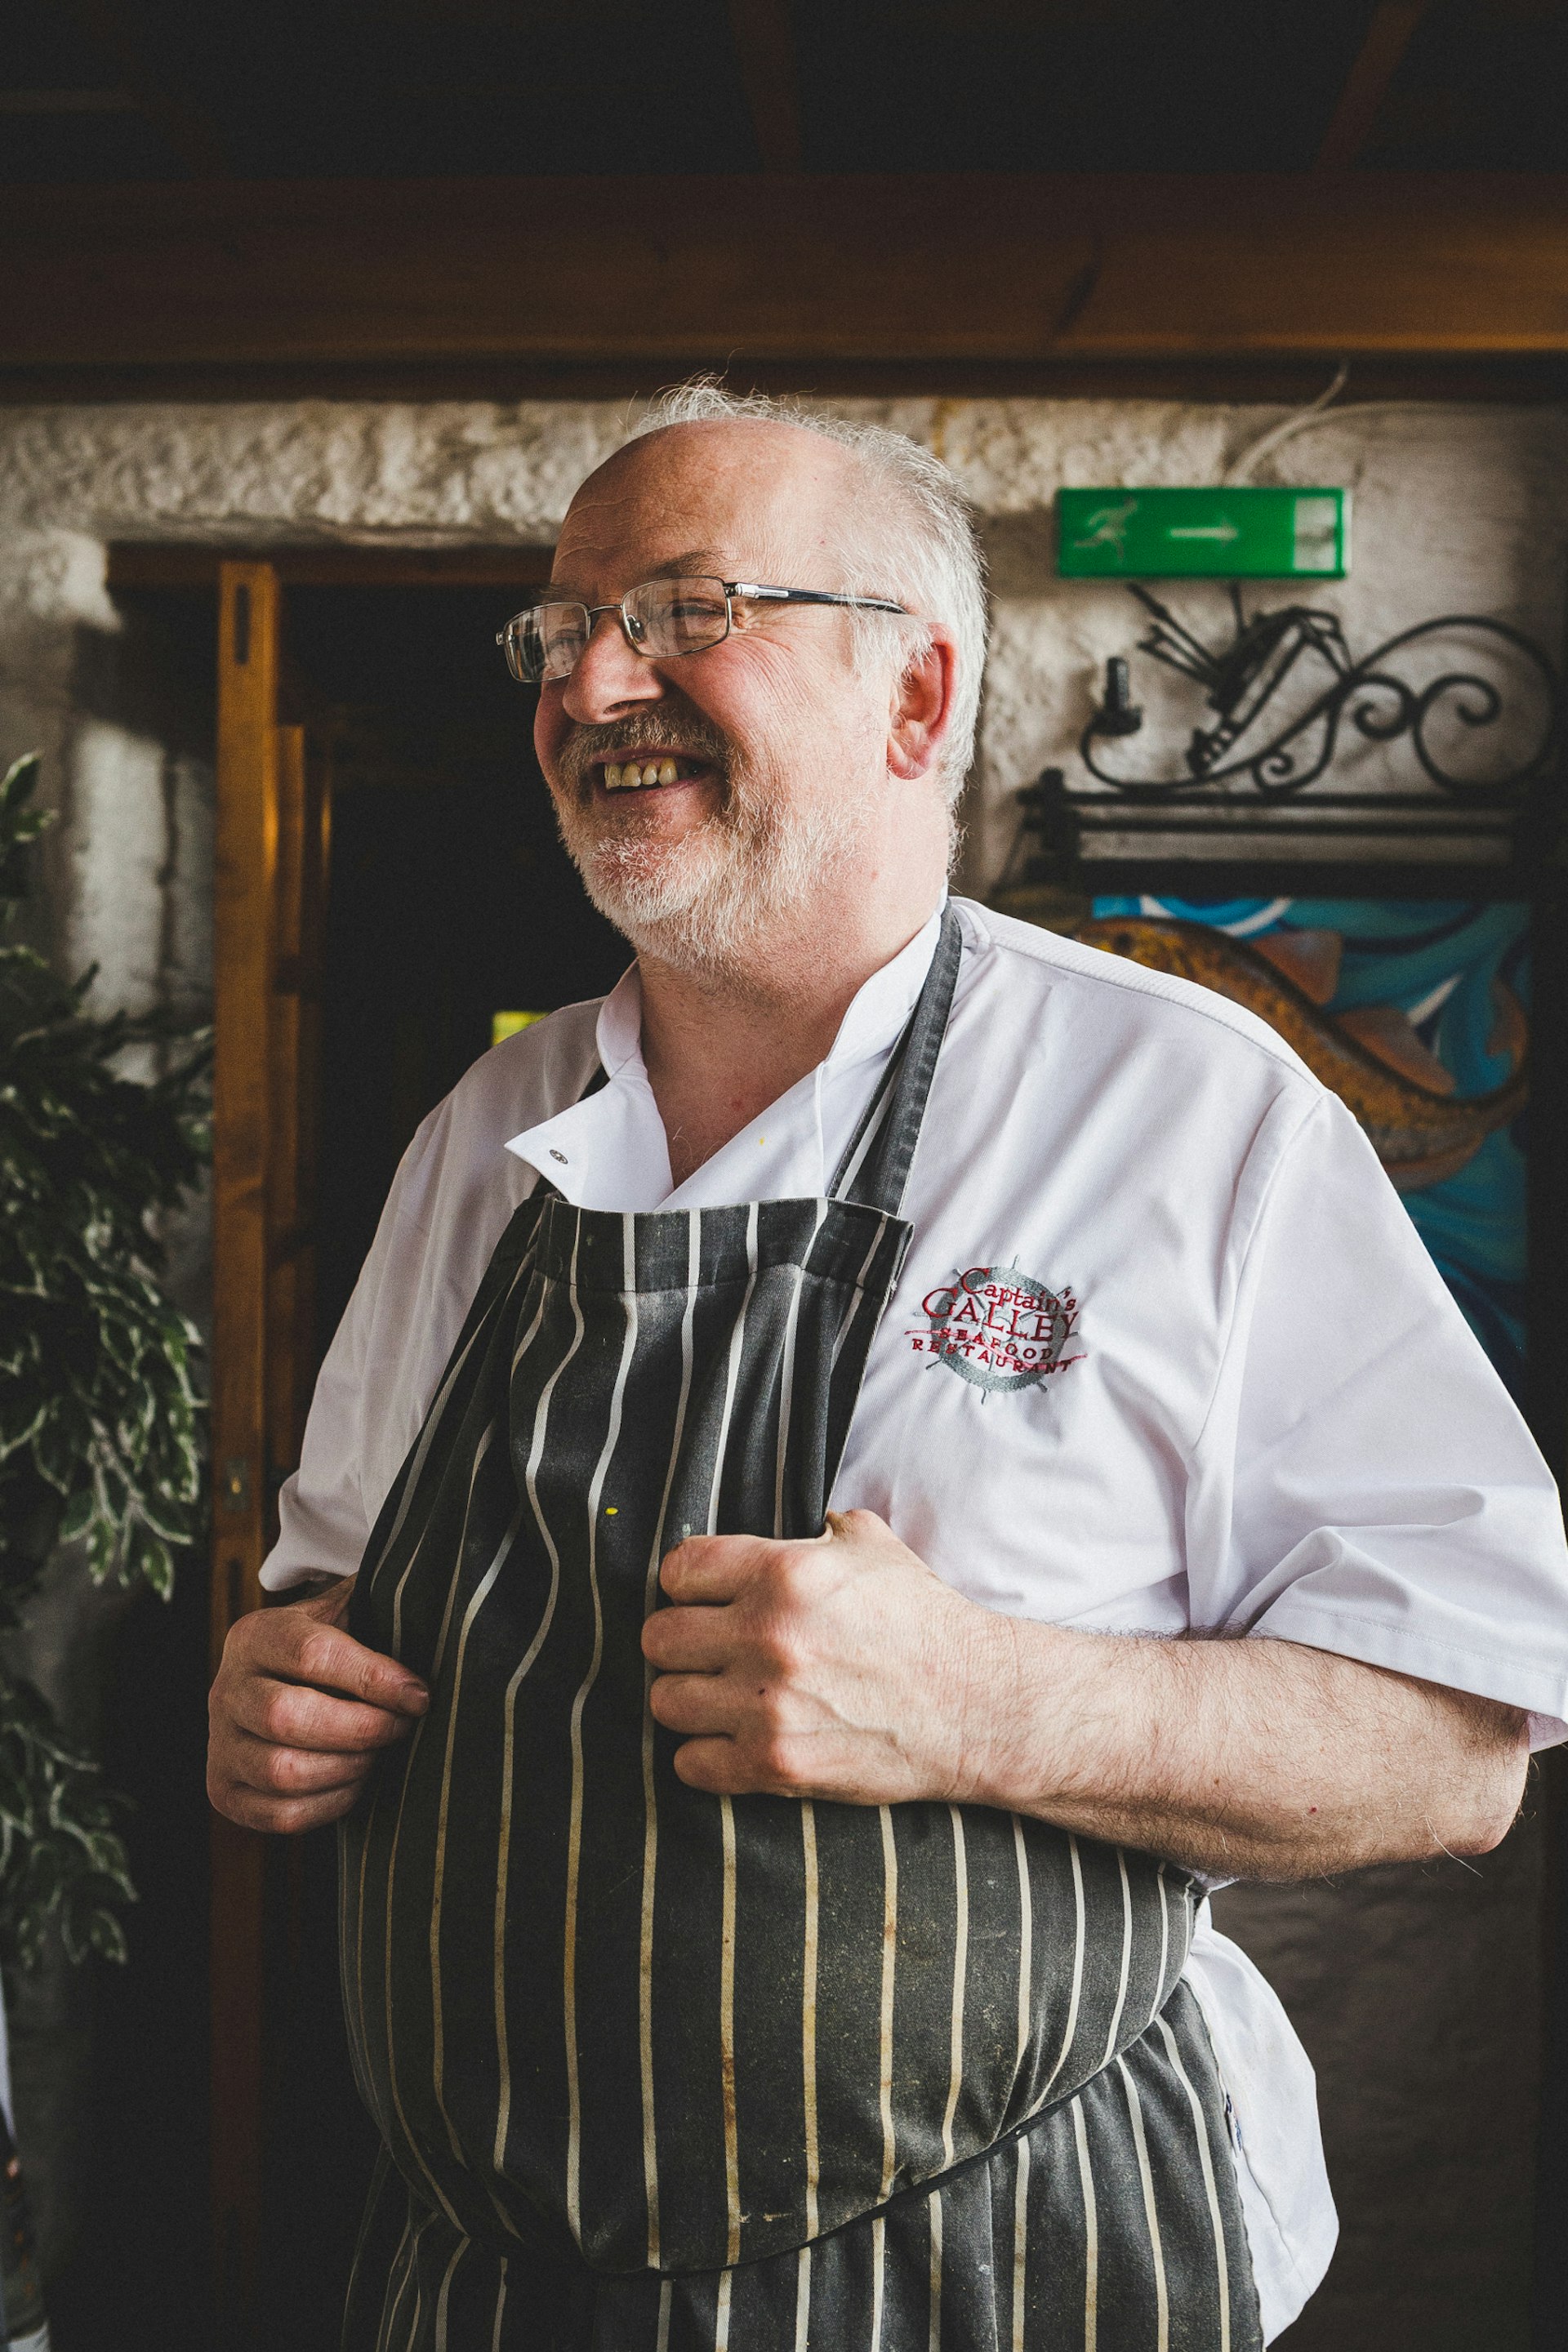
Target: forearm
{"x":1252,"y":1758}
{"x":844,"y":1668}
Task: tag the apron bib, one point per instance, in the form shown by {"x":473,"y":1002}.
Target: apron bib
{"x":653,"y":2067}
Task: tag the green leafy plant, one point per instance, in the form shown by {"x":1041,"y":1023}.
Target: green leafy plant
{"x":100,"y":1420}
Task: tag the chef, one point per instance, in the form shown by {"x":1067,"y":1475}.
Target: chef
{"x":789,"y":1416}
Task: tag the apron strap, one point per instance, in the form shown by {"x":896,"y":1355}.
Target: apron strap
{"x":876,"y":1166}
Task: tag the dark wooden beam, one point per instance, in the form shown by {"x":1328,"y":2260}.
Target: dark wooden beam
{"x":763,"y":34}
{"x":1388,"y":36}
{"x":1526,"y":378}
{"x":184,"y":128}
{"x":1009,"y":270}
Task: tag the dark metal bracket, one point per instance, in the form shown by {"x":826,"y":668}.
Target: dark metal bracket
{"x":1242,"y":681}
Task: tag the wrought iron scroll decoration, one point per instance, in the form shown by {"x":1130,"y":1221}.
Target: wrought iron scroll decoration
{"x":1242,"y":681}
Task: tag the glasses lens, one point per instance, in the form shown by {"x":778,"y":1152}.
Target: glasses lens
{"x":546,"y":641}
{"x":677,"y":616}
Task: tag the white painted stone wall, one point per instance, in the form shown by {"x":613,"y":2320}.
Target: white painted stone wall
{"x":1457,"y":508}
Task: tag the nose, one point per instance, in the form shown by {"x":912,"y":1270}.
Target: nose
{"x":609,"y":678}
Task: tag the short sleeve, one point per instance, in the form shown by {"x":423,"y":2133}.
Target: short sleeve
{"x":322,"y":1514}
{"x":385,"y":1359}
{"x":454,"y":1189}
{"x":1364,"y":1483}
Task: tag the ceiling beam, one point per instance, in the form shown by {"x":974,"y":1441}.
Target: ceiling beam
{"x":183,"y":128}
{"x":1388,"y":36}
{"x":763,"y":35}
{"x":984,"y":267}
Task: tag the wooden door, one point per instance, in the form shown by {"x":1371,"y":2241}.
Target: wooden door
{"x":273,"y":812}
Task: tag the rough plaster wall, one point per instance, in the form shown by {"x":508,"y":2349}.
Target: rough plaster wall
{"x":1417,"y":1993}
{"x":1455,"y":508}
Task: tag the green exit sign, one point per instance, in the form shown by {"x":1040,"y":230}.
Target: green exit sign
{"x":1242,"y":534}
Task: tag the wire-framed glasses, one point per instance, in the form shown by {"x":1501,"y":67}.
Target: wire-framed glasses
{"x":662,"y":619}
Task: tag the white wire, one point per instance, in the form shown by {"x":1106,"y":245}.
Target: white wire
{"x":1241,"y":468}
{"x":1319,"y":412}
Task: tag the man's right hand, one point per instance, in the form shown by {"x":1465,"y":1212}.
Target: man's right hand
{"x":297,"y":1712}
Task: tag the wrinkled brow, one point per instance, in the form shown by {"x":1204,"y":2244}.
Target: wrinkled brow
{"x":705,"y":562}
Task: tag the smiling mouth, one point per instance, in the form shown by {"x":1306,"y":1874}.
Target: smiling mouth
{"x":655,"y":772}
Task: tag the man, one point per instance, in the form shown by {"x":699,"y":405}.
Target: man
{"x":761,"y":1930}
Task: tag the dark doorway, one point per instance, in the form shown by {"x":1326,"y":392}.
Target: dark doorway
{"x":450,"y":901}
{"x":450,"y":897}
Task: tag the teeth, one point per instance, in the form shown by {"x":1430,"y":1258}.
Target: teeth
{"x":631,"y":776}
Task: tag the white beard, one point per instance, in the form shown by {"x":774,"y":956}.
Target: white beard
{"x":700,"y":903}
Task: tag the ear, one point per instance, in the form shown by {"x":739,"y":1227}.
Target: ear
{"x":921,"y":708}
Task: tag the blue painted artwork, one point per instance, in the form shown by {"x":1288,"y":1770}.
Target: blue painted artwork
{"x":1438,"y":990}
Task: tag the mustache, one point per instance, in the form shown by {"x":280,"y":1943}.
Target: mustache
{"x":657,"y":731}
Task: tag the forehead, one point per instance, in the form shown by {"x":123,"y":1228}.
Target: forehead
{"x":747,"y":497}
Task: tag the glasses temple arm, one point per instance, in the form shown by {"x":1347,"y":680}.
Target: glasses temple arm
{"x":812,"y":597}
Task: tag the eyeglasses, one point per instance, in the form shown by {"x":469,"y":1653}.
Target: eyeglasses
{"x":662,"y":619}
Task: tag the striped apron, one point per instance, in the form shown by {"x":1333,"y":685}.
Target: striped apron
{"x":658,"y":2069}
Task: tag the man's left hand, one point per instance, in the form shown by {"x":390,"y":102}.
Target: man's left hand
{"x":839,"y":1667}
{"x":844,"y":1668}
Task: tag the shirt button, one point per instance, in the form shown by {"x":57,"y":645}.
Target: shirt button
{"x":558,"y":1155}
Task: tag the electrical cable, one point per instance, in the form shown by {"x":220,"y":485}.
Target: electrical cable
{"x":1241,"y":468}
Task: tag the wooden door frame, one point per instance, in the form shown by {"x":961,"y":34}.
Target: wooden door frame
{"x":245,"y":861}
{"x":269,"y":868}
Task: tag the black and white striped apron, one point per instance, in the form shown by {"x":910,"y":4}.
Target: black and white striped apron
{"x":658,"y":2069}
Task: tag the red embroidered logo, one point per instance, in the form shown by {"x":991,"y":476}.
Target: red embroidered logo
{"x":999,"y":1328}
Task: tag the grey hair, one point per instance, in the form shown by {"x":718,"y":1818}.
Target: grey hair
{"x":914,"y":539}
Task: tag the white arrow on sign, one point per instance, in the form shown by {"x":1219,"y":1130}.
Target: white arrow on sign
{"x":1225,"y":530}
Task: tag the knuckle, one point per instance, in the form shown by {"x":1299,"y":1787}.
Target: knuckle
{"x":235,"y":1802}
{"x":278,"y":1767}
{"x":240,"y":1641}
{"x":677,"y":1566}
{"x":796,"y":1575}
{"x":664,"y":1701}
{"x":277,"y":1713}
{"x":772,"y":1759}
{"x":769,"y":1713}
{"x":780,"y":1650}
{"x":317,"y":1652}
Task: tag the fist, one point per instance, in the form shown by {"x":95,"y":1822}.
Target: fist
{"x":297,"y":1714}
{"x":839,"y":1667}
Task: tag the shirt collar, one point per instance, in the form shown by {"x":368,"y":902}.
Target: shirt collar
{"x":610,"y":1149}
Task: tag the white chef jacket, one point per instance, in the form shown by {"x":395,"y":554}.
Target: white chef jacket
{"x":1165,"y":1353}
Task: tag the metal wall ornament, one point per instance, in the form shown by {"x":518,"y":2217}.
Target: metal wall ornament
{"x":1242,"y":681}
